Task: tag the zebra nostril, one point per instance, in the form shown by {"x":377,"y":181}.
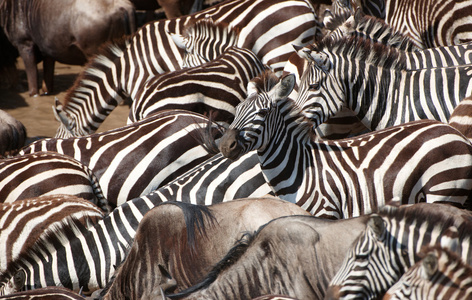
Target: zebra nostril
{"x":233,"y":145}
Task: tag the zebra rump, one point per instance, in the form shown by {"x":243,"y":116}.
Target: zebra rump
{"x":24,"y":221}
{"x":136,"y":159}
{"x":213,"y":89}
{"x":48,"y":173}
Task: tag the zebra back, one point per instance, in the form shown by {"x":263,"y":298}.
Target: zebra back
{"x":135,"y":159}
{"x":24,"y":221}
{"x":46,"y":293}
{"x":214,"y":88}
{"x":48,"y":173}
{"x":105,"y":82}
{"x":391,"y":243}
{"x":440,"y":273}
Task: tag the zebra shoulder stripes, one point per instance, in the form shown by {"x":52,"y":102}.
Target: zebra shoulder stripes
{"x":48,"y":173}
{"x":85,"y":257}
{"x":349,"y":177}
{"x":135,"y":159}
{"x":391,"y":243}
{"x":214,"y":88}
{"x":22,"y":222}
{"x":372,"y":80}
{"x":267,"y":27}
{"x":440,"y":274}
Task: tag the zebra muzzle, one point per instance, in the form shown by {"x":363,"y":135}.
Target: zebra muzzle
{"x":229,"y":145}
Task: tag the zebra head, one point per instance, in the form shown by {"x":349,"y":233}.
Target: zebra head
{"x":67,"y":123}
{"x":14,"y":284}
{"x":320,"y":94}
{"x":368,"y":269}
{"x":204,"y":41}
{"x":251,"y":128}
{"x":389,"y":246}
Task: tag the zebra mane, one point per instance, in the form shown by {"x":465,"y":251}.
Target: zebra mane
{"x":61,"y":231}
{"x":207,"y":28}
{"x":105,"y":55}
{"x":366,"y":24}
{"x":357,"y":48}
{"x":264,"y":83}
{"x":430,"y":214}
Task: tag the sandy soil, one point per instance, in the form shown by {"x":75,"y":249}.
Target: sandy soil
{"x":36,"y":112}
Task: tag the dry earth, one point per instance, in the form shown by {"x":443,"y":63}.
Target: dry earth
{"x":36,"y":112}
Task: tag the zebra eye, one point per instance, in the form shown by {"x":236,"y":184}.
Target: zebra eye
{"x":263,"y":112}
{"x":314,"y":86}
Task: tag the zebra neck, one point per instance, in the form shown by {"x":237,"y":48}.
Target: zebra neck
{"x":287,"y":158}
{"x":370,"y":95}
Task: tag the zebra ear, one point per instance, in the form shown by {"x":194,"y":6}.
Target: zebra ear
{"x":318,"y":58}
{"x":429,"y":265}
{"x":61,"y":115}
{"x":284,"y":87}
{"x":376,"y":223}
{"x":178,"y":39}
{"x":251,"y":88}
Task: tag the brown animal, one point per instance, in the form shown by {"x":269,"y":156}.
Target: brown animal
{"x":68,"y":31}
{"x":172,"y":8}
{"x":176,"y":244}
{"x":12,"y":134}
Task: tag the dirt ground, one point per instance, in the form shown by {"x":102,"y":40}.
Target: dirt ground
{"x":36,"y":112}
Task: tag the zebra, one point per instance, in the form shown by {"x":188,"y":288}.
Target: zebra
{"x":46,"y":293}
{"x":390,"y":245}
{"x":48,"y":173}
{"x":428,"y":23}
{"x":461,"y":117}
{"x":439,"y":274}
{"x":345,"y":123}
{"x":214,"y":88}
{"x":372,"y":80}
{"x":22,"y":222}
{"x":85,"y":257}
{"x":349,"y":177}
{"x":135,"y":159}
{"x":122,"y":68}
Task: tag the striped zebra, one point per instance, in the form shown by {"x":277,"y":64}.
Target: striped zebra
{"x":133,"y":160}
{"x":391,"y":244}
{"x":461,"y":117}
{"x":47,"y":293}
{"x":48,"y":173}
{"x":409,"y":163}
{"x":267,"y":27}
{"x":373,"y":81}
{"x":345,"y":122}
{"x":22,"y":222}
{"x":214,"y":88}
{"x":86,"y":257}
{"x":430,"y":23}
{"x":439,"y":274}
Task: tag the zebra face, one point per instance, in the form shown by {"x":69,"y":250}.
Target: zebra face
{"x":370,"y":267}
{"x":252,"y":126}
{"x":320,"y":94}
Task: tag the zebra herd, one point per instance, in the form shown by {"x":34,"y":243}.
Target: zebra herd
{"x":359,"y":122}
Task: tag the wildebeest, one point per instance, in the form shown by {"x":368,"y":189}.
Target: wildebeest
{"x":294,"y":255}
{"x":68,"y":31}
{"x":176,"y":243}
{"x":172,"y":8}
{"x":12,"y":133}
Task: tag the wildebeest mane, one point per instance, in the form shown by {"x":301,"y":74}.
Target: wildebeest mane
{"x":232,"y":257}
